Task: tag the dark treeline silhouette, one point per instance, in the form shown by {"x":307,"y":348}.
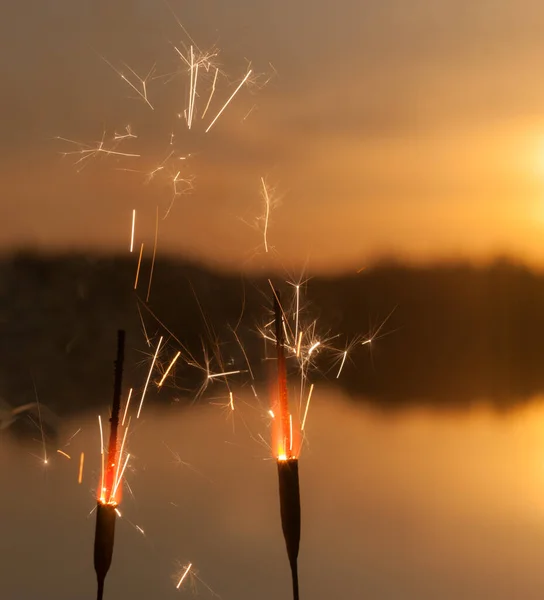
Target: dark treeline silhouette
{"x":458,"y":334}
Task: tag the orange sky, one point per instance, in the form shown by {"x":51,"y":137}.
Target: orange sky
{"x":416,"y":133}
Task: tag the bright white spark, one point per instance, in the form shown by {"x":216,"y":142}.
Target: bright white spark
{"x":342,"y":364}
{"x":298,"y":343}
{"x":215,"y":375}
{"x":117,"y":477}
{"x":312,"y":348}
{"x":120,"y":477}
{"x":297,"y":311}
{"x":185,"y":573}
{"x":307,"y":407}
{"x":229,"y":100}
{"x":132,"y":230}
{"x":149,"y":377}
{"x":126,"y":407}
{"x":211,"y":93}
{"x":290,"y":433}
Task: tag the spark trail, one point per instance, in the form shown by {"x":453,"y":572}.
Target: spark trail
{"x":229,"y":100}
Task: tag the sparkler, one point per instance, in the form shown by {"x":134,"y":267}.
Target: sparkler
{"x":107,"y":503}
{"x":286,"y":455}
{"x":299,"y":342}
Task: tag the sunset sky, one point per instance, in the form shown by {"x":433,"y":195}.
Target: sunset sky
{"x":413,"y":129}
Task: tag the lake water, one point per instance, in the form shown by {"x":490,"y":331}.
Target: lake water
{"x":401,"y":505}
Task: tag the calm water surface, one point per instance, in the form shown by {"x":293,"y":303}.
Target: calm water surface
{"x":407,"y":505}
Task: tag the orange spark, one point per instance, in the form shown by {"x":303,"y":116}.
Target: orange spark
{"x":81,"y":461}
{"x":168,"y":370}
{"x":138,"y":267}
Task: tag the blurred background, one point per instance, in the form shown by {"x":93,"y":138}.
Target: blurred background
{"x":387,"y":157}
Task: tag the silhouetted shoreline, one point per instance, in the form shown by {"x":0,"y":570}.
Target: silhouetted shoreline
{"x":458,"y":334}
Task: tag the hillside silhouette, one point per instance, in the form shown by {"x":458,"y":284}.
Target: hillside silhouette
{"x":458,"y":334}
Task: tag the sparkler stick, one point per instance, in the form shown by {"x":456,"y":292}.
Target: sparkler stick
{"x":286,"y":458}
{"x":107,"y":505}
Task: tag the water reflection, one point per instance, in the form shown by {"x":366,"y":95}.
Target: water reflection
{"x":416,"y":504}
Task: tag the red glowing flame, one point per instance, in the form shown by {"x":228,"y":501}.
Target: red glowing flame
{"x":285,"y":435}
